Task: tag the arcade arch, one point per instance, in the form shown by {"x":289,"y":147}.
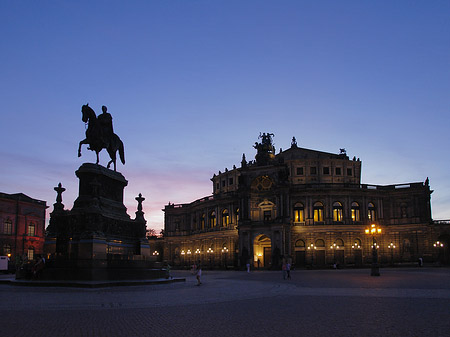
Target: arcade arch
{"x":262,"y":248}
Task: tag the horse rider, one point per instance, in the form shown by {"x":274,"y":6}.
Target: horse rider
{"x":106,"y":126}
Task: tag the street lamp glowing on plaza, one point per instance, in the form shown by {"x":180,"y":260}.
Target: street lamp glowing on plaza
{"x":391,"y":248}
{"x":374,"y":230}
{"x":333,"y":247}
{"x":439,"y":246}
{"x":209,"y":251}
{"x":224,"y":254}
{"x":312,"y":247}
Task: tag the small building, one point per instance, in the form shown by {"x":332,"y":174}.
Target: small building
{"x":22,"y":225}
{"x":307,"y":206}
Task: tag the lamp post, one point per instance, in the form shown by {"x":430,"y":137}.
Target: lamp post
{"x":182,"y":257}
{"x":333,"y":247}
{"x":209,"y":252}
{"x":312,"y":247}
{"x":391,"y":248}
{"x":224,"y":254}
{"x":189,"y":256}
{"x":356,"y":248}
{"x":438,"y":245}
{"x":374,"y":230}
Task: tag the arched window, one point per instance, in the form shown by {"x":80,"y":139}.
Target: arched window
{"x":337,"y":212}
{"x":212,"y":220}
{"x":31,"y":229}
{"x":320,"y":243}
{"x":225,"y":217}
{"x":372,"y":212}
{"x":300,"y":243}
{"x":30,"y":253}
{"x":355,"y":212}
{"x":318,"y":212}
{"x":202,"y":221}
{"x":339,"y":243}
{"x":7,"y":226}
{"x":299,"y":212}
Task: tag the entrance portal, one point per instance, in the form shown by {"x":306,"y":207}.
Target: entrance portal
{"x":262,"y":249}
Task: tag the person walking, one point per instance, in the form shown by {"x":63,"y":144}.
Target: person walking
{"x":288,"y":270}
{"x":198,"y":273}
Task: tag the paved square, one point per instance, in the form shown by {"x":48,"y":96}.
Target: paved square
{"x":401,"y":302}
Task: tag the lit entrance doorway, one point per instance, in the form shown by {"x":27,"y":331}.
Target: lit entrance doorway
{"x":262,"y":249}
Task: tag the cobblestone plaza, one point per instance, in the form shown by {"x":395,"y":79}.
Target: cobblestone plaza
{"x":401,"y":302}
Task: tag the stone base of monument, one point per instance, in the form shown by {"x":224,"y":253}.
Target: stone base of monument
{"x":97,"y":239}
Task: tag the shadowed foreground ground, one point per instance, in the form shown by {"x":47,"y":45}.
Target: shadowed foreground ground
{"x":401,"y":302}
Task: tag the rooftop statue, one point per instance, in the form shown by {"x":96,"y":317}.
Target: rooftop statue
{"x":266,"y":150}
{"x":100,"y":135}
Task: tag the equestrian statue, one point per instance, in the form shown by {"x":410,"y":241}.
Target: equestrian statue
{"x":100,"y":135}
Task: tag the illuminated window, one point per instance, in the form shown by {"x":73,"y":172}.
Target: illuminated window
{"x":202,"y":221}
{"x":313,"y":170}
{"x":355,"y":212}
{"x":337,"y":212}
{"x":30,"y":253}
{"x":299,"y":212}
{"x":225,"y":218}
{"x":299,"y":171}
{"x":31,"y":229}
{"x":338,"y":171}
{"x":372,"y":212}
{"x":6,"y":249}
{"x":326,"y":170}
{"x":7,"y":227}
{"x":318,"y":212}
{"x":212,"y":220}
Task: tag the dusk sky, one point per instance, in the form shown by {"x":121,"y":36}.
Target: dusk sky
{"x":191,"y":84}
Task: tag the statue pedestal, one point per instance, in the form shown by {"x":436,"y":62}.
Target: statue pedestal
{"x":97,"y":239}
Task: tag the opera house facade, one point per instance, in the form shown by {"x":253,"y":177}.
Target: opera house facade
{"x":308,"y":206}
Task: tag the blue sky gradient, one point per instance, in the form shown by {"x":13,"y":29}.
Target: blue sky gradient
{"x":190,"y":84}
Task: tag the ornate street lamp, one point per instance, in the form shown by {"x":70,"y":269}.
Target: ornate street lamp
{"x":182,"y":257}
{"x":312,"y":247}
{"x":438,"y":245}
{"x":189,"y":256}
{"x":391,"y":248}
{"x":333,"y":247}
{"x":209,"y":252}
{"x":374,"y":230}
{"x":224,"y":254}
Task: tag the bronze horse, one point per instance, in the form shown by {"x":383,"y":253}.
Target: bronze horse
{"x":99,"y":136}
